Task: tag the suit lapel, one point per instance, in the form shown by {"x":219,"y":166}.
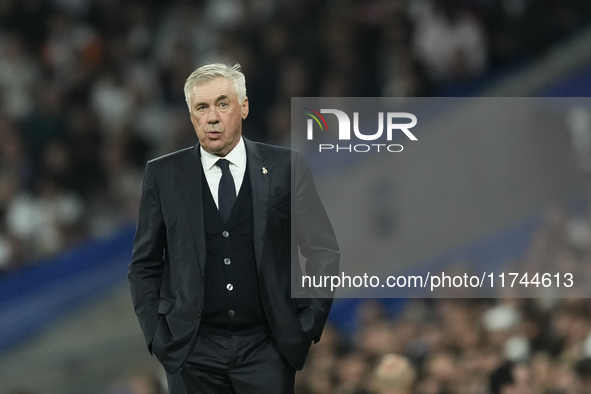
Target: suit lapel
{"x":259,"y":183}
{"x":190,"y":180}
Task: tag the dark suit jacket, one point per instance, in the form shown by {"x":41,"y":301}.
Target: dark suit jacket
{"x":167,"y":269}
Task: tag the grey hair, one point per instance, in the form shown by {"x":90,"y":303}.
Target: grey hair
{"x":211,"y":71}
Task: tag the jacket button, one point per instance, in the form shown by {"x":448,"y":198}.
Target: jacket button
{"x":231,"y":313}
{"x":229,"y":286}
{"x":227,"y":261}
{"x":225,"y":234}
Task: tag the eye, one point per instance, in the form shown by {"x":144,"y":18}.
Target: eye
{"x":224,"y":105}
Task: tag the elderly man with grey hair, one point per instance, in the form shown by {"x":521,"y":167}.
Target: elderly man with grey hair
{"x":212,"y":262}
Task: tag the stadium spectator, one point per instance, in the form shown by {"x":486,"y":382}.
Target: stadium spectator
{"x":511,"y":378}
{"x":394,"y":374}
{"x":450,"y":42}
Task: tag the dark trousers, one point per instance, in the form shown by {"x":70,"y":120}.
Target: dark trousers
{"x":233,"y":364}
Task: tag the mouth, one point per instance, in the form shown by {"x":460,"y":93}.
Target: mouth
{"x":213,"y":133}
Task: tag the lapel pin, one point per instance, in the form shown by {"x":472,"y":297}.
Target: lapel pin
{"x":265,"y":171}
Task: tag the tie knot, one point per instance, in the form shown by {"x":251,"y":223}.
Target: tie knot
{"x":223,"y":164}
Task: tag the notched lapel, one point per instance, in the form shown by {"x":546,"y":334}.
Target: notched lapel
{"x":190,"y":181}
{"x":259,"y":183}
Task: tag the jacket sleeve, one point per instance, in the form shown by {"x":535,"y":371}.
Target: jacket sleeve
{"x":147,"y":260}
{"x":316,"y":240}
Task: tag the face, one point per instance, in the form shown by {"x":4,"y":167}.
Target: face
{"x":217,"y":115}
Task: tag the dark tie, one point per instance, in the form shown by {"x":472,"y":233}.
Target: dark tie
{"x":227,"y":189}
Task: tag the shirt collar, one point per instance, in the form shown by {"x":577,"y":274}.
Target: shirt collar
{"x":237,"y":156}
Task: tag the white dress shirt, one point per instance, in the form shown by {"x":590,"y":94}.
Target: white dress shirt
{"x":213,"y":173}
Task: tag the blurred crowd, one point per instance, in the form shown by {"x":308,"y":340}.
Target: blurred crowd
{"x":458,"y":346}
{"x":470,"y":345}
{"x":91,"y":89}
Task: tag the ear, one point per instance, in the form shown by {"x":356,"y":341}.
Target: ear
{"x":245,"y":108}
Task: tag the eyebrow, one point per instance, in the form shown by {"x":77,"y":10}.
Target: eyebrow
{"x":222,"y":97}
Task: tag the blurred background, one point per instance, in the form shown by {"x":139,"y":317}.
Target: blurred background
{"x":91,"y":89}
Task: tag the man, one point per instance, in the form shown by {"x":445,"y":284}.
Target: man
{"x":212,"y":258}
{"x":394,"y":375}
{"x":511,"y":378}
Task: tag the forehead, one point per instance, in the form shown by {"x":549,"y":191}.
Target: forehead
{"x":213,"y":89}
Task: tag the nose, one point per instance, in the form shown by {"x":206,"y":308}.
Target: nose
{"x":213,"y":117}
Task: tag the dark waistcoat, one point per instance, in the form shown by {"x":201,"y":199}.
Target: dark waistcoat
{"x":232,"y":295}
